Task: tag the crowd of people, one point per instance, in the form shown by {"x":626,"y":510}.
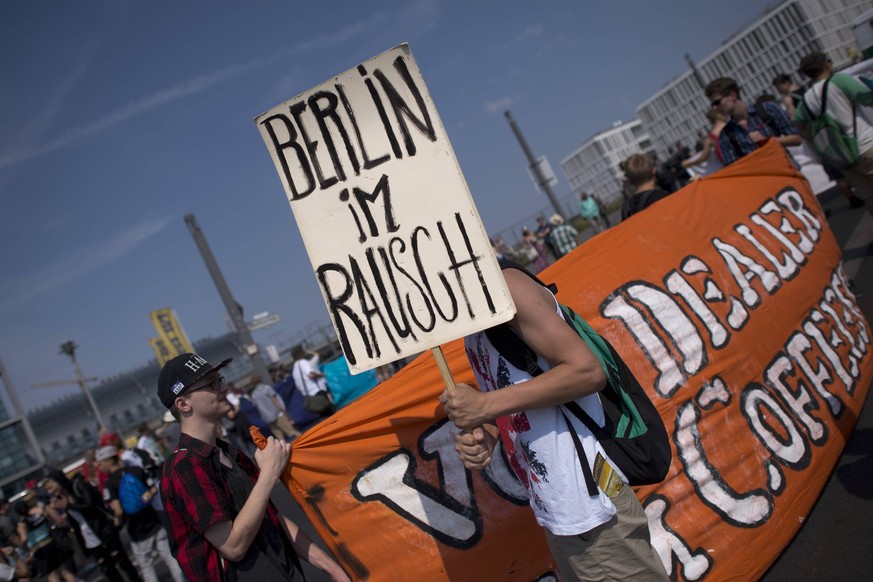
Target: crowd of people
{"x":107,"y":513}
{"x":826,"y":123}
{"x":195,"y":493}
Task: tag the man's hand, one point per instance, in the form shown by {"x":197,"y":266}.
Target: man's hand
{"x":465,"y":406}
{"x":273,"y":458}
{"x":475,"y":447}
{"x":757,"y":136}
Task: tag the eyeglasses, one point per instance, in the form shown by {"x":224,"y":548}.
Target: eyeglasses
{"x":214,"y":386}
{"x":715,"y":102}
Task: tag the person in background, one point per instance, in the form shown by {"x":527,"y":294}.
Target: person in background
{"x":590,"y":211}
{"x":272,"y":410}
{"x":34,"y":529}
{"x":563,"y":236}
{"x":748,"y":126}
{"x":222,"y":525}
{"x":240,"y":437}
{"x":168,"y":434}
{"x":542,"y":233}
{"x":533,"y":250}
{"x":791,"y":93}
{"x":845,"y":95}
{"x":147,"y":537}
{"x":309,"y":379}
{"x":639,"y":171}
{"x":13,"y":565}
{"x":86,"y":514}
{"x":708,"y":160}
{"x":148,"y":443}
{"x":89,"y":468}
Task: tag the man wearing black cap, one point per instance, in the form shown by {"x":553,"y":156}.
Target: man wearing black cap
{"x":221,"y":523}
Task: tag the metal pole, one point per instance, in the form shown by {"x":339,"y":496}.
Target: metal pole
{"x":698,"y":76}
{"x":534,"y":166}
{"x":233,"y":309}
{"x":69,"y":349}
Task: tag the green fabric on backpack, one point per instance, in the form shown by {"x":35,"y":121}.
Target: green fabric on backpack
{"x":630,"y":424}
{"x":833,"y":145}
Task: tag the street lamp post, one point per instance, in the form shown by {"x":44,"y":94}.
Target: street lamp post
{"x":69,"y":349}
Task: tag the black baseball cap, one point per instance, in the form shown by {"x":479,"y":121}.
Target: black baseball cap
{"x":180,"y":373}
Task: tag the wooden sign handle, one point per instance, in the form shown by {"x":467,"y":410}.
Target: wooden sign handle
{"x":443,"y":367}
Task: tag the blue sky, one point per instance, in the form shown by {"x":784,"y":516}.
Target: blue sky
{"x":120,"y":117}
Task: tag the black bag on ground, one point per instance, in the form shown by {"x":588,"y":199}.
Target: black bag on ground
{"x":634,"y":436}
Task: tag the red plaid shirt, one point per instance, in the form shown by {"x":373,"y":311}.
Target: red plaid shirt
{"x":196,"y":496}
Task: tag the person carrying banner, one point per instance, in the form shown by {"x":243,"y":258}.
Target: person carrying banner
{"x":221,"y":523}
{"x":592,"y":537}
{"x":748,"y":126}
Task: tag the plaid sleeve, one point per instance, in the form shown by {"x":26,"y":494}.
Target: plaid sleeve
{"x":197,"y":494}
{"x":779,"y":121}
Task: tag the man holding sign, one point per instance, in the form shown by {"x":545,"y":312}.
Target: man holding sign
{"x":599,"y":537}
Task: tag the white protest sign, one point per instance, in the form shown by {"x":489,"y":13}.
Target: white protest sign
{"x":397,"y":246}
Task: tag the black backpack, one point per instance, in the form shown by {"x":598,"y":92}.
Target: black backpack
{"x":634,"y":436}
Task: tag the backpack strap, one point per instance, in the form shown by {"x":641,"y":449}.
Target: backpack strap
{"x":580,"y":452}
{"x":824,"y":104}
{"x":824,"y":100}
{"x":520,"y":355}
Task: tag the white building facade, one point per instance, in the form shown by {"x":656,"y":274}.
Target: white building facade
{"x":772,"y":45}
{"x":594,"y":167}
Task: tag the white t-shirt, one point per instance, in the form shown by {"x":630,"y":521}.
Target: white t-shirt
{"x":541,"y":450}
{"x":839,"y":107}
{"x":262,"y":396}
{"x":90,"y":538}
{"x":300,"y":373}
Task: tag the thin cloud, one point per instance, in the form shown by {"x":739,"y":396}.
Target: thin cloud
{"x":531,"y":31}
{"x":79,"y":263}
{"x":501,"y":104}
{"x":421,"y":11}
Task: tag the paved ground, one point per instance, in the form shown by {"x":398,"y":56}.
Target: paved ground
{"x":834,"y":543}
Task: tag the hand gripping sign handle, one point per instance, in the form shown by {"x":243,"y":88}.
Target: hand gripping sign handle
{"x":443,"y":367}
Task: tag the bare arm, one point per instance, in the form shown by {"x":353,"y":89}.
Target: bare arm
{"x":789,"y":140}
{"x":311,"y":552}
{"x":233,"y":538}
{"x":575,"y":370}
{"x":117,"y":511}
{"x":701,"y":155}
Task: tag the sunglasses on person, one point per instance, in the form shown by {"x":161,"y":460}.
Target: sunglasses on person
{"x":715,"y":102}
{"x":214,"y":386}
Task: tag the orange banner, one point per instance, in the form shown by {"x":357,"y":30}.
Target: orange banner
{"x":729,"y":303}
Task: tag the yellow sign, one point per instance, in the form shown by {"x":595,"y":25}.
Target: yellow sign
{"x":170,"y":331}
{"x":162,"y":352}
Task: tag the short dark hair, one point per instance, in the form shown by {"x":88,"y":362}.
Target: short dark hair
{"x":814,"y":64}
{"x":720,"y":87}
{"x":780,"y":79}
{"x":638,"y":169}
